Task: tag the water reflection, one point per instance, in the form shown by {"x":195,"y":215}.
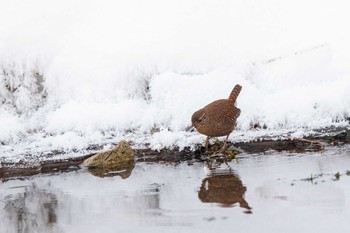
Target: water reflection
{"x":161,"y":198}
{"x":225,"y":188}
{"x":34,"y":210}
{"x":104,"y":172}
{"x":43,"y":208}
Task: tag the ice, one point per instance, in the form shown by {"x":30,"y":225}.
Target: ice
{"x":82,"y":73}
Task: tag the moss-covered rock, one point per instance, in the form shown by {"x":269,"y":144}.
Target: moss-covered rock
{"x":120,"y":158}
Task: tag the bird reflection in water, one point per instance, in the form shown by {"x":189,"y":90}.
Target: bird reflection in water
{"x":225,"y":188}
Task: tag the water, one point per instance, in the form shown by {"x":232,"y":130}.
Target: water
{"x":271,"y":192}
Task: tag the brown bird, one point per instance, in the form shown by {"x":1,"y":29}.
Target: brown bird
{"x":218,"y":118}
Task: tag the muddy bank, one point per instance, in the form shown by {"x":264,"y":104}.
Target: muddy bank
{"x":298,"y":145}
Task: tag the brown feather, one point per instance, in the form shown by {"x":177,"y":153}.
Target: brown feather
{"x":219,"y":117}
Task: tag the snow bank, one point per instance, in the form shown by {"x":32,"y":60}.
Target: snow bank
{"x":78,"y":73}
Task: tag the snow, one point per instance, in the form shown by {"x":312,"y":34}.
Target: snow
{"x":81,"y":73}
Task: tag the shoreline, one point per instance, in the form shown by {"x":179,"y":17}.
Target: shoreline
{"x":259,"y":146}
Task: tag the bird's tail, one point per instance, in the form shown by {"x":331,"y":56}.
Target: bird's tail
{"x":235,"y":92}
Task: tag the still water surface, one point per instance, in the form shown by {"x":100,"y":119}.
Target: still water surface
{"x":271,"y":192}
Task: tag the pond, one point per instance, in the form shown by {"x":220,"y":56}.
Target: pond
{"x":270,"y":192}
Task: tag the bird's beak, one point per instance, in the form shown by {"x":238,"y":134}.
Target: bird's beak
{"x":190,"y":128}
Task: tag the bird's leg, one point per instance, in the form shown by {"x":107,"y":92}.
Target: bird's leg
{"x":225,"y":143}
{"x":207,"y":143}
{"x":218,"y":153}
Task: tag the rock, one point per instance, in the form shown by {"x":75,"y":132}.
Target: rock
{"x":121,"y":158}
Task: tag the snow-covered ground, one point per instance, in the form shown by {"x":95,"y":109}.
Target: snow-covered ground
{"x":80,"y":73}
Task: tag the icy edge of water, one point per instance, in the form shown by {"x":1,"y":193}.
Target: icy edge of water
{"x":39,"y":148}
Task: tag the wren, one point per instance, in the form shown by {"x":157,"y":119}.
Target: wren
{"x":218,"y":118}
